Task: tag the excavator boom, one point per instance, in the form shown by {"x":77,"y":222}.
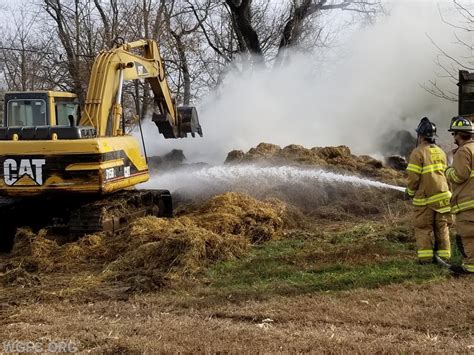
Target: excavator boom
{"x":103,"y":108}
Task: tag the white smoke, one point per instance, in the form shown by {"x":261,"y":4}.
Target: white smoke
{"x":371,"y":84}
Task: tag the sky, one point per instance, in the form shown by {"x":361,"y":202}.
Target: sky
{"x":369,"y":83}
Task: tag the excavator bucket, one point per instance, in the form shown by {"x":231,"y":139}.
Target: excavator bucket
{"x":188,"y":122}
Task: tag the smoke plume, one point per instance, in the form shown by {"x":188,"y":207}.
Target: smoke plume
{"x":368,"y":84}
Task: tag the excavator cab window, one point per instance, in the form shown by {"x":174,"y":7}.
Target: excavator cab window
{"x":26,"y":113}
{"x":67,"y":112}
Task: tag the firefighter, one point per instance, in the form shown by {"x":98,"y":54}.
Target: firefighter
{"x":429,"y":189}
{"x":461,"y":174}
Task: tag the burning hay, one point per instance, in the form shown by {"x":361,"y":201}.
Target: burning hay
{"x":335,"y":158}
{"x":155,"y":251}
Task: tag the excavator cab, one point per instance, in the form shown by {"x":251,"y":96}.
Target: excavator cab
{"x":43,"y":108}
{"x":42,"y":115}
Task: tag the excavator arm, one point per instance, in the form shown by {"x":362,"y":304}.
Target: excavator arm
{"x":103,"y":106}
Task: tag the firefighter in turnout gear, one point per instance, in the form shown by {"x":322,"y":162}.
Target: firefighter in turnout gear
{"x":462,"y":203}
{"x":429,"y":189}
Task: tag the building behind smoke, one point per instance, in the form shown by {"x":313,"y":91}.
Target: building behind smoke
{"x":396,"y":147}
{"x":399,"y":143}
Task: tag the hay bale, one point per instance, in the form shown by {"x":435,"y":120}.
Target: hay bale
{"x":176,"y":156}
{"x":222,"y":228}
{"x":263,"y":150}
{"x":338,"y":159}
{"x":155,"y":250}
{"x":28,"y":243}
{"x":85,"y":249}
{"x":341,"y":152}
{"x":234,"y":156}
{"x":150,"y":228}
{"x":300,"y":154}
{"x":396,"y":162}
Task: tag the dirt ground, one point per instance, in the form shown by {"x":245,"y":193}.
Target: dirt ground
{"x":292,"y":272}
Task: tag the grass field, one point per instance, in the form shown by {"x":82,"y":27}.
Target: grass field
{"x":341,"y":287}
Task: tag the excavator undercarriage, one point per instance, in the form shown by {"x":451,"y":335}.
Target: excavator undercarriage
{"x":74,"y":216}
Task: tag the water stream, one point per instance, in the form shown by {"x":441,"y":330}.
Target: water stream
{"x":267,"y":175}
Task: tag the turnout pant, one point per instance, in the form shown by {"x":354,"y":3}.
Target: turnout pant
{"x":432,"y":234}
{"x":465,"y":232}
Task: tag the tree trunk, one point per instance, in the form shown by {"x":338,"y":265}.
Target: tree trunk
{"x":241,"y":16}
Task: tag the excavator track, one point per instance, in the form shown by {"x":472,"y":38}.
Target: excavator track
{"x":77,"y":216}
{"x":114,"y":213}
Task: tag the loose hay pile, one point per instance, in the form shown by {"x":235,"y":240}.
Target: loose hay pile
{"x":319,"y":199}
{"x":334,"y":158}
{"x":156,"y":250}
{"x":221,"y":229}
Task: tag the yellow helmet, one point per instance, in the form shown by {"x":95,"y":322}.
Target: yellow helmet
{"x":461,"y":124}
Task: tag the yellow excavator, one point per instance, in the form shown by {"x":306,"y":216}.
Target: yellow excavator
{"x":75,"y":169}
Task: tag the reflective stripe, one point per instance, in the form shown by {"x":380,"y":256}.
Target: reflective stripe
{"x":446,"y":254}
{"x":443,"y":210}
{"x":410,"y":192}
{"x":468,"y":267}
{"x":462,"y":206}
{"x":426,"y":169}
{"x":451,"y":174}
{"x":414,"y":168}
{"x":433,"y":167}
{"x":455,"y":178}
{"x":432,"y":199}
{"x":425,"y":253}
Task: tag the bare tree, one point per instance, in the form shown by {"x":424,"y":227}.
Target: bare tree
{"x":24,"y":53}
{"x":264,"y":31}
{"x":69,"y":18}
{"x":199,"y":39}
{"x":449,"y":64}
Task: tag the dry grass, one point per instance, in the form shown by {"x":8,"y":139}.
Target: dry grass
{"x":392,"y":319}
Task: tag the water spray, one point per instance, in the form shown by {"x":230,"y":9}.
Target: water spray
{"x":228,"y":175}
{"x":287,"y":174}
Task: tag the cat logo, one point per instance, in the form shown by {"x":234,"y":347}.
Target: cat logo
{"x":29,"y":172}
